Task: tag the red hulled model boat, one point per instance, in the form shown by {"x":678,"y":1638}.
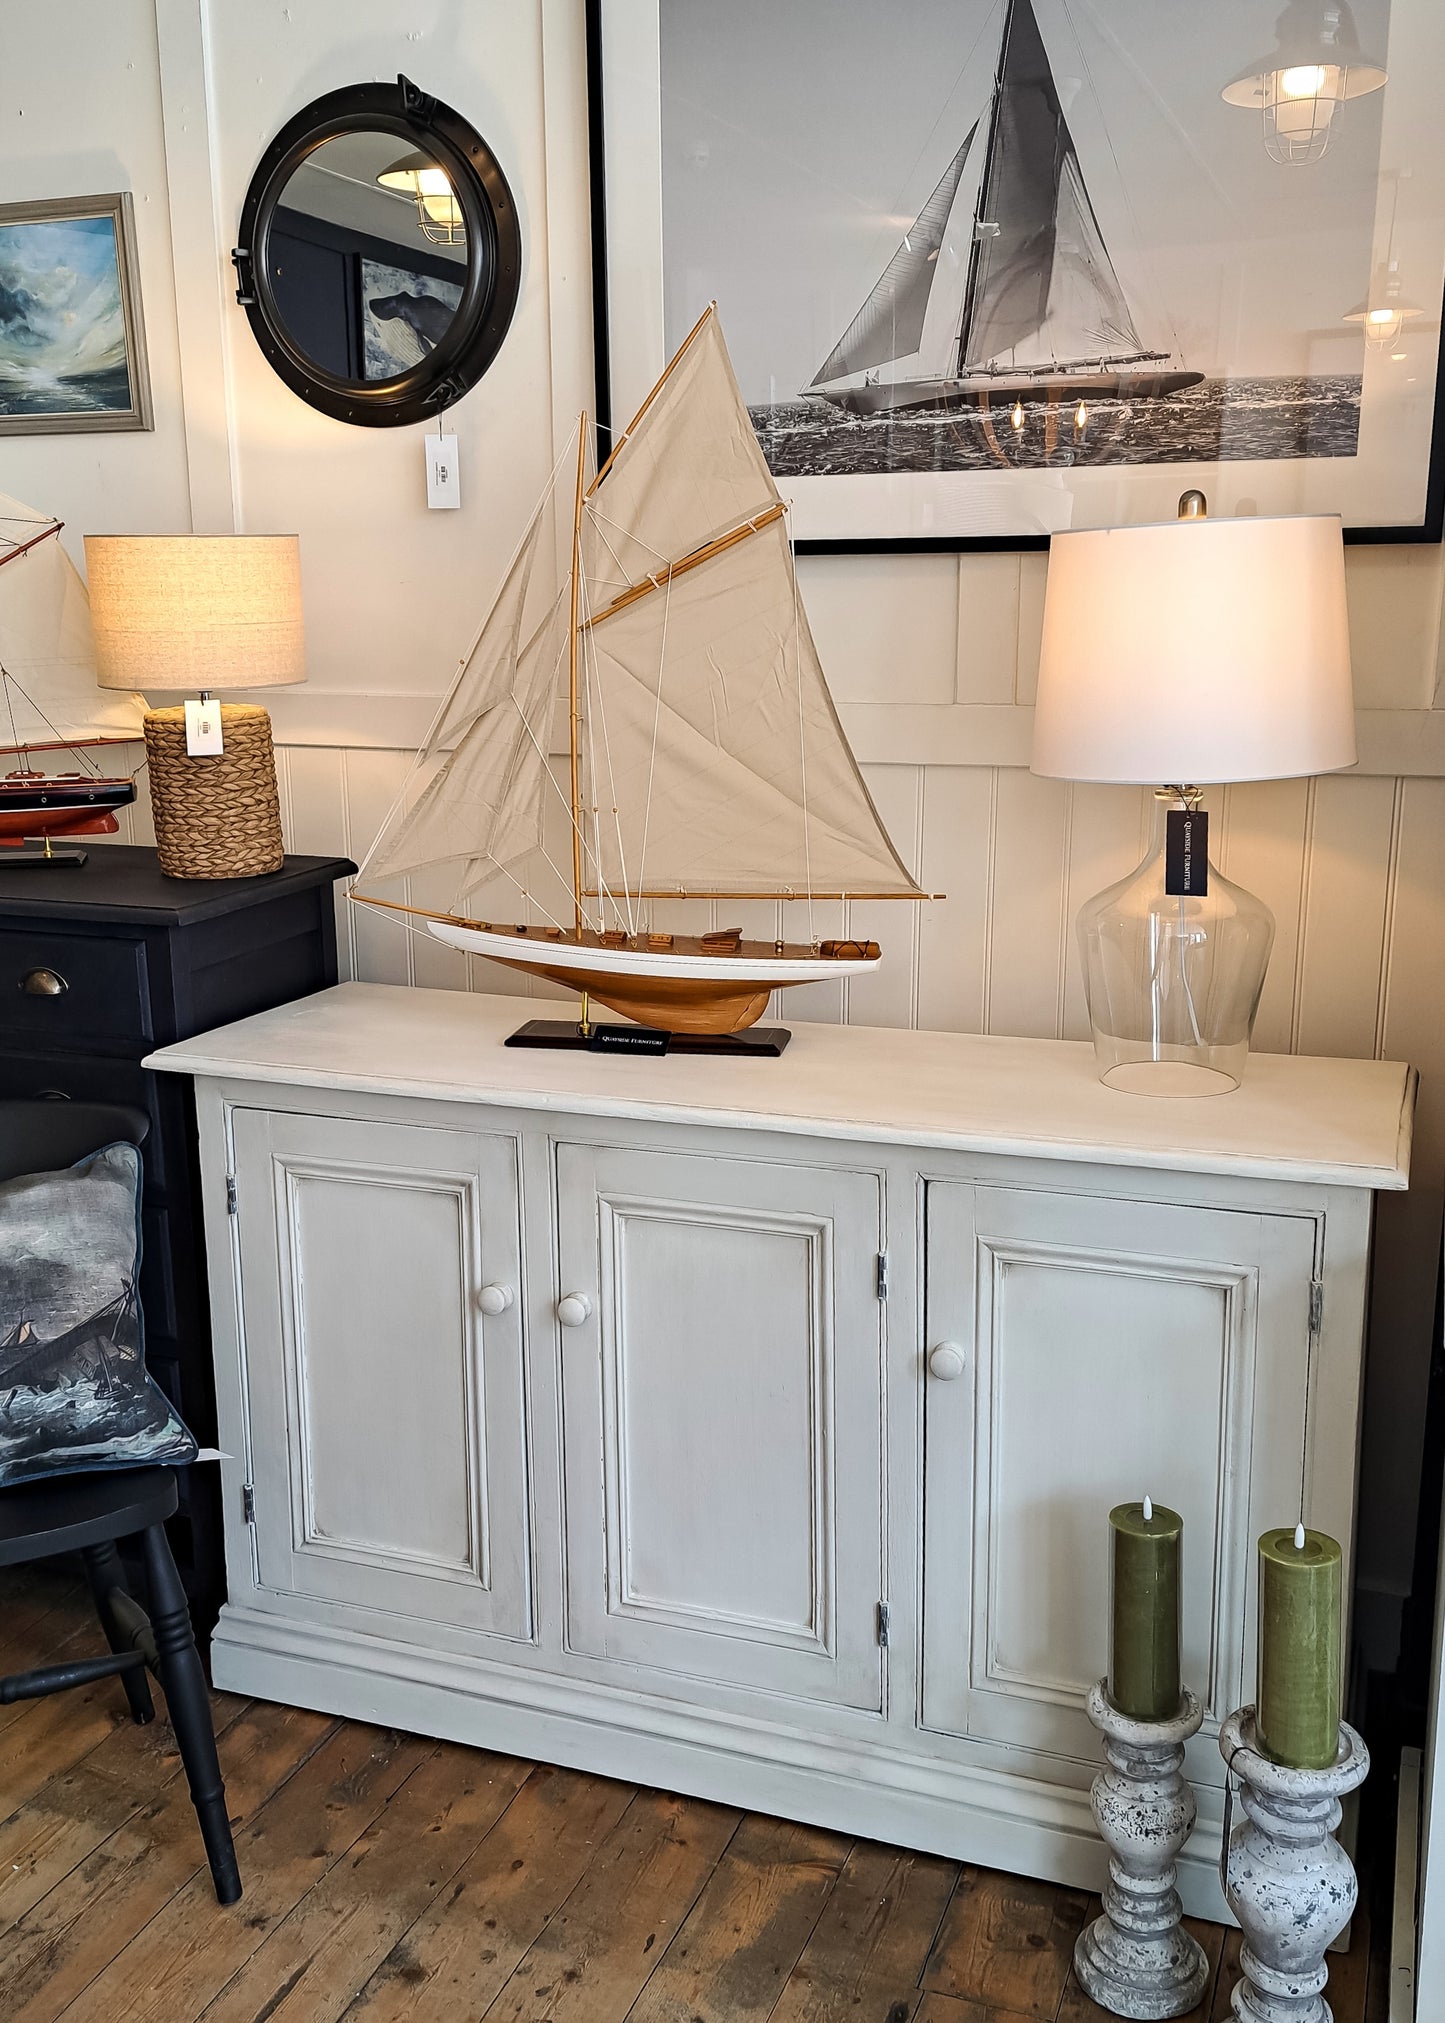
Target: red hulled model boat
{"x":45,"y":652}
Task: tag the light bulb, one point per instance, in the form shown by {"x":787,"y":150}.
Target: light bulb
{"x":1017,"y":417}
{"x":1306,"y":80}
{"x":1081,"y":416}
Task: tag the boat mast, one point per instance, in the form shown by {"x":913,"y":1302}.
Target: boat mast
{"x":970,"y":292}
{"x":573,"y":721}
{"x":671,"y":367}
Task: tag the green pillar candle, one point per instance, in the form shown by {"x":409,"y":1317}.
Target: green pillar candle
{"x":1144,"y":1611}
{"x":1297,"y":1699}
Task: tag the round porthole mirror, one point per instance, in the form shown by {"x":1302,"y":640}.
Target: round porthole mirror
{"x":379,"y":255}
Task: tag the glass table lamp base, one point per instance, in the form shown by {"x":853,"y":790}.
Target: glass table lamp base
{"x":1173,"y":982}
{"x":1165,"y":1077}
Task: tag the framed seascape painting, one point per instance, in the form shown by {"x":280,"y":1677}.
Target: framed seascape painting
{"x":989,"y":269}
{"x":72,"y":345}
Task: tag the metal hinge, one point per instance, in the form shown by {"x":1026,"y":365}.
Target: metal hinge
{"x":882,"y":1279}
{"x":883,"y":1626}
{"x":1317,"y":1304}
{"x":230,"y":1194}
{"x":245,"y":281}
{"x":248,"y":1503}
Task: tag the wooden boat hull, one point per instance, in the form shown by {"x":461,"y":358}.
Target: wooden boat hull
{"x":948,"y":396}
{"x":687,"y":988}
{"x":674,"y":1005}
{"x":34,"y":805}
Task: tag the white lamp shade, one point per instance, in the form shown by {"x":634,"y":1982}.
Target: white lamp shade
{"x":1196,"y":650}
{"x":194,"y":611}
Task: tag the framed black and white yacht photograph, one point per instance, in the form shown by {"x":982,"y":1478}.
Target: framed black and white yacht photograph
{"x":990,"y":269}
{"x":72,"y":343}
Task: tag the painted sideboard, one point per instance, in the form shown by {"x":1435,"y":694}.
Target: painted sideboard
{"x":749,"y":1427}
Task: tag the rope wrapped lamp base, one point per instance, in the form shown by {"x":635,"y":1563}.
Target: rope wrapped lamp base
{"x":217,"y":816}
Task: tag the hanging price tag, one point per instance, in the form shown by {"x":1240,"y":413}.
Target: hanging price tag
{"x":1186,"y":853}
{"x":203,"y":728}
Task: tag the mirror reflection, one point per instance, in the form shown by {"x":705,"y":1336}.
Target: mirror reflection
{"x":367,"y":256}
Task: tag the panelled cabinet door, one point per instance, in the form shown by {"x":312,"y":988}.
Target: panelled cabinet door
{"x":1107,"y":1350}
{"x":387,"y":1428}
{"x":722,"y":1407}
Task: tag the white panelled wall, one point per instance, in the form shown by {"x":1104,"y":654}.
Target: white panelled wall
{"x":933,"y":658}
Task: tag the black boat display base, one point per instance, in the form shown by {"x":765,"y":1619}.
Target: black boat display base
{"x":762,"y":1042}
{"x":19,"y":854}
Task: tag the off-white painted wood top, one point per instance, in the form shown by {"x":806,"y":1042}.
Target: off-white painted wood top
{"x":1343,"y":1123}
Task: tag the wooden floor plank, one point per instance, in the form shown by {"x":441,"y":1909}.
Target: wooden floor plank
{"x":51,"y":1736}
{"x":81,"y":1805}
{"x":935,"y":2008}
{"x":191,"y":1948}
{"x":869,"y":1947}
{"x":71,"y":1815}
{"x":73,"y":1934}
{"x":731,"y":1958}
{"x":456,"y":1958}
{"x":593,"y":1958}
{"x":1007,"y":1940}
{"x":309,"y":1966}
{"x":1077,"y":2008}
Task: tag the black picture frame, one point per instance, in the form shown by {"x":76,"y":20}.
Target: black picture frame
{"x":492,"y":273}
{"x":1430,"y":530}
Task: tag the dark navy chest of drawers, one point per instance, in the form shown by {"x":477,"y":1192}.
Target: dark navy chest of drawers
{"x":101,"y":963}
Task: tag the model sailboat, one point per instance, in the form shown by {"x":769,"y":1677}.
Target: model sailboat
{"x":49,"y":702}
{"x":1003,"y":287}
{"x":703,"y":760}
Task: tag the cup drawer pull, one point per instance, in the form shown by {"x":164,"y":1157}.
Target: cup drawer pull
{"x":43,"y":983}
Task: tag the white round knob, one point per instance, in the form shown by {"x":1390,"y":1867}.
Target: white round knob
{"x":495,"y":1299}
{"x":946,"y":1362}
{"x":573,"y":1308}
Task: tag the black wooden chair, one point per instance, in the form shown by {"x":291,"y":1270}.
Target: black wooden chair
{"x":88,"y":1513}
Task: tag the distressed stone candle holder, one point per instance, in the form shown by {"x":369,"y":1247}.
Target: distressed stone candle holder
{"x":1136,"y":1959}
{"x":1288,"y":1880}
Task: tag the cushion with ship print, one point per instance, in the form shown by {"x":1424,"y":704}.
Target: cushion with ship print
{"x":74,"y":1393}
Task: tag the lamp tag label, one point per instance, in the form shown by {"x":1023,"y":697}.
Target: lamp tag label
{"x":1186,"y":853}
{"x":443,"y":472}
{"x":203,"y":728}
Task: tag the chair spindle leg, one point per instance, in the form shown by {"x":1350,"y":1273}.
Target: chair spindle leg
{"x":106,"y":1576}
{"x":184,"y":1685}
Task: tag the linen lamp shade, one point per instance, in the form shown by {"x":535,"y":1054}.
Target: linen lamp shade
{"x":193,"y":611}
{"x":1195,"y":649}
{"x":199,"y":612}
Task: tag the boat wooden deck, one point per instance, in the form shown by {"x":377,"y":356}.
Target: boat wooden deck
{"x":391,"y":1877}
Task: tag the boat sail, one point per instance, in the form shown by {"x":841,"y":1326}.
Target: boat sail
{"x":49,"y":701}
{"x":704,"y":759}
{"x":1003,"y":286}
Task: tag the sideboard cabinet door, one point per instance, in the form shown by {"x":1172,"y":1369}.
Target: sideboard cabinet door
{"x":722,"y":1414}
{"x":1109,"y":1349}
{"x":388,"y":1445}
